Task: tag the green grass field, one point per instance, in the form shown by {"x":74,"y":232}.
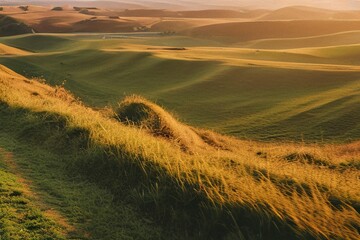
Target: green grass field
{"x":310,"y":94}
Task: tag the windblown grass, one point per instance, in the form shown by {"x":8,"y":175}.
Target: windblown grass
{"x":250,"y":190}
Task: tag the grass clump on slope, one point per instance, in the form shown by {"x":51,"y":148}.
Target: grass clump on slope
{"x":213,"y":194}
{"x":137,"y":111}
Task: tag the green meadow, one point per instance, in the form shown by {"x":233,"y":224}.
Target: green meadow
{"x":309,"y":94}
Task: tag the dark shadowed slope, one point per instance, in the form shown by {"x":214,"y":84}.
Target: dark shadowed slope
{"x":9,"y":26}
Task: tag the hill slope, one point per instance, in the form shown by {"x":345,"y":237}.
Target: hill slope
{"x":309,"y":13}
{"x":9,"y":26}
{"x":73,"y":21}
{"x":253,"y":189}
{"x":247,"y":31}
{"x":294,"y":94}
{"x":42,"y":195}
{"x":299,"y":13}
{"x":336,"y":39}
{"x":7,"y":50}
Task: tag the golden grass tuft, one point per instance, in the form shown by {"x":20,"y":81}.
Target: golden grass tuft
{"x":138,"y":111}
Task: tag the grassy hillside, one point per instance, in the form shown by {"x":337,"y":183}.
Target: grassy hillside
{"x":222,"y":24}
{"x":191,"y":181}
{"x":42,"y":19}
{"x":9,"y":26}
{"x":249,"y":31}
{"x":43,"y":196}
{"x":309,"y":13}
{"x":172,"y":25}
{"x":6,"y":50}
{"x":343,"y":38}
{"x":295,"y":94}
{"x":214,"y":13}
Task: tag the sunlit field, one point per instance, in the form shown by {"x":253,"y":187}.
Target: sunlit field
{"x":156,"y":121}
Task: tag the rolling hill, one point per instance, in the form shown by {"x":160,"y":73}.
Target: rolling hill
{"x":6,"y":50}
{"x":135,"y":171}
{"x":172,"y":25}
{"x":68,"y":20}
{"x":308,"y":13}
{"x":116,"y":5}
{"x":299,"y":13}
{"x":215,"y":13}
{"x":248,"y":31}
{"x":336,"y":39}
{"x":9,"y":26}
{"x":307,"y":93}
{"x":208,"y":13}
{"x":47,"y":21}
{"x":220,"y":24}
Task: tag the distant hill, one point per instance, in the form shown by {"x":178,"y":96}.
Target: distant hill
{"x":248,"y":31}
{"x":175,"y":26}
{"x":298,"y":12}
{"x":101,"y":25}
{"x":9,"y":26}
{"x":182,"y":14}
{"x":147,"y":13}
{"x":336,"y":39}
{"x":211,"y":14}
{"x":116,"y":5}
{"x":207,"y":13}
{"x":309,"y":13}
{"x":347,"y":15}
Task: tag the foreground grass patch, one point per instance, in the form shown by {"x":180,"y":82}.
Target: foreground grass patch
{"x":19,"y":218}
{"x":86,"y":210}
